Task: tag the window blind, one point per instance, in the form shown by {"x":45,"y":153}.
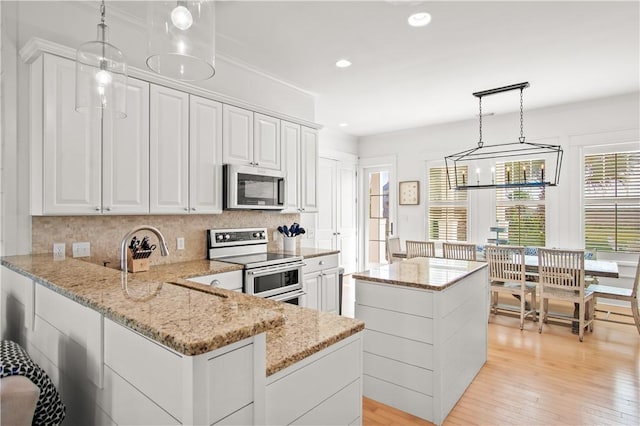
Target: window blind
{"x":612,"y":201}
{"x":447,"y":213}
{"x":522,"y":210}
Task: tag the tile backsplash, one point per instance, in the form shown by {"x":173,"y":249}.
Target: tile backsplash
{"x":105,"y":232}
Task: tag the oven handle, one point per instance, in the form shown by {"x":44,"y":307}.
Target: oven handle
{"x":287,"y":296}
{"x":269,"y":270}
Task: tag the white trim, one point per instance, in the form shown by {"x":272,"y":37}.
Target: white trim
{"x":346,"y":157}
{"x":36,"y":46}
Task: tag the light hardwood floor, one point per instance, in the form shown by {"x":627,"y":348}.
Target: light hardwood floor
{"x":544,"y":379}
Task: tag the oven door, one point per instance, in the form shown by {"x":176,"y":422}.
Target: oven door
{"x":273,"y":280}
{"x":291,"y":297}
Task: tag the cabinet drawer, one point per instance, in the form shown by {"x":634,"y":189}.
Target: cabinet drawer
{"x":397,"y":324}
{"x":320,"y":263}
{"x":230,"y":378}
{"x":403,"y":350}
{"x":395,"y":298}
{"x":399,"y":373}
{"x":154,"y":370}
{"x":231,"y":280}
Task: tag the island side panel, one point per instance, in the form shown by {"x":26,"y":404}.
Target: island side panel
{"x":461,"y":334}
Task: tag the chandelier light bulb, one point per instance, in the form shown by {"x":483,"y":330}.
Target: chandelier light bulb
{"x":181,"y":17}
{"x":104,"y":78}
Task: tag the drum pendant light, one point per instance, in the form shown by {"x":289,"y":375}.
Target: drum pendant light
{"x":101,"y":75}
{"x":182,"y":39}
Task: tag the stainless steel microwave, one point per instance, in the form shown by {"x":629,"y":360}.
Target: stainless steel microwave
{"x":252,"y":188}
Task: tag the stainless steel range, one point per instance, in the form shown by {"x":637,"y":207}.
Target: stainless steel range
{"x":275,"y":276}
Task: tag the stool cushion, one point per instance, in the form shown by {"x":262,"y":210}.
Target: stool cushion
{"x":14,"y":360}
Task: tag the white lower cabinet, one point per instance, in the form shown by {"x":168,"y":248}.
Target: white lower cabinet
{"x":324,"y":388}
{"x":320,"y":283}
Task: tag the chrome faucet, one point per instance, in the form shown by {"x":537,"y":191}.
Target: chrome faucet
{"x":123,"y":245}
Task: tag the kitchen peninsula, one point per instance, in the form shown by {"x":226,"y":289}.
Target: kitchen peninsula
{"x":154,"y":348}
{"x":426,"y":332}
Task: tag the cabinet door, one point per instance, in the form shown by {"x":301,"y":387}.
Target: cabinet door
{"x":311,"y":286}
{"x":205,"y":155}
{"x":329,"y":291}
{"x":290,"y":137}
{"x":326,"y":227}
{"x":71,"y":145}
{"x":125,"y":155}
{"x":346,"y":216}
{"x":266,"y":142}
{"x":309,"y":170}
{"x":237,"y":135}
{"x":169,"y":150}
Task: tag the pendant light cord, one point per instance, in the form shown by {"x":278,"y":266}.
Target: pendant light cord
{"x":521,"y":117}
{"x":480,"y":143}
{"x":103,"y":12}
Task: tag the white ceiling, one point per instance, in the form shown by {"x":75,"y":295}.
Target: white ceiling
{"x":406,"y":77}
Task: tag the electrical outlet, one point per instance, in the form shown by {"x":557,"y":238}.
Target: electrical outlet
{"x":58,"y":250}
{"x":311,"y":233}
{"x":180,"y":243}
{"x":81,"y":249}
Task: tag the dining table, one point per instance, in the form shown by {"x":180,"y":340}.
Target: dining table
{"x":596,"y":268}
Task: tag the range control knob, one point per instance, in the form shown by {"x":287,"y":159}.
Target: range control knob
{"x":219,"y":237}
{"x":227,"y":236}
{"x":256,"y":235}
{"x":262,"y":235}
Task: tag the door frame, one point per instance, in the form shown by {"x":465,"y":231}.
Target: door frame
{"x":387,"y":162}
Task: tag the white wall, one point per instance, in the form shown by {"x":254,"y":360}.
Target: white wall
{"x":608,"y":120}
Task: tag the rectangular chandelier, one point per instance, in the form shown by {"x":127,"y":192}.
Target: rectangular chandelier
{"x":514,"y":164}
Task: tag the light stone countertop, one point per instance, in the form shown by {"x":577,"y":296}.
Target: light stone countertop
{"x":188,"y":317}
{"x":428,"y":273}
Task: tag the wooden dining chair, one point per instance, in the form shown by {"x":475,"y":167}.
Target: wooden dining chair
{"x":562,"y":278}
{"x":507,"y":275}
{"x":393,"y":246}
{"x":461,"y":251}
{"x":617,"y":293}
{"x":421,"y":249}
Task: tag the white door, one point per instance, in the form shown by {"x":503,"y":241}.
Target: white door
{"x":266,"y":142}
{"x":205,"y":155}
{"x":309,"y":170}
{"x":346,"y":217}
{"x":72,"y":145}
{"x":327,"y":227}
{"x":169,"y":150}
{"x":125,"y":155}
{"x":378,"y":196}
{"x":237,"y":136}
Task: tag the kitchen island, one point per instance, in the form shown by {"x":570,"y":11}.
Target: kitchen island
{"x":154,"y":348}
{"x":426,"y":332}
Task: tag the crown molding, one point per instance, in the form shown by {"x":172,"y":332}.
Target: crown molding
{"x":33,"y":48}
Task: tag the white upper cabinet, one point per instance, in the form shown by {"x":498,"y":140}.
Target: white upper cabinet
{"x":309,"y":170}
{"x":250,"y":139}
{"x":65,"y":141}
{"x":237,"y":135}
{"x":266,"y":142}
{"x":169,"y":151}
{"x":205,"y":152}
{"x":125,"y":155}
{"x":290,"y":137}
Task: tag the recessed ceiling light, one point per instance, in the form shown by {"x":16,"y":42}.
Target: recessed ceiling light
{"x":420,"y":19}
{"x":343,"y":63}
{"x":343,"y":124}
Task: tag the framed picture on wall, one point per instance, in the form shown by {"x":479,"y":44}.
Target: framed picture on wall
{"x":409,"y":192}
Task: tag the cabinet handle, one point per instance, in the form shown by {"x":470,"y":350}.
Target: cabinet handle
{"x":186,"y":209}
{"x":108,"y":209}
{"x":321,"y":262}
{"x":257,"y":164}
{"x":97,"y":209}
{"x":193,"y":209}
